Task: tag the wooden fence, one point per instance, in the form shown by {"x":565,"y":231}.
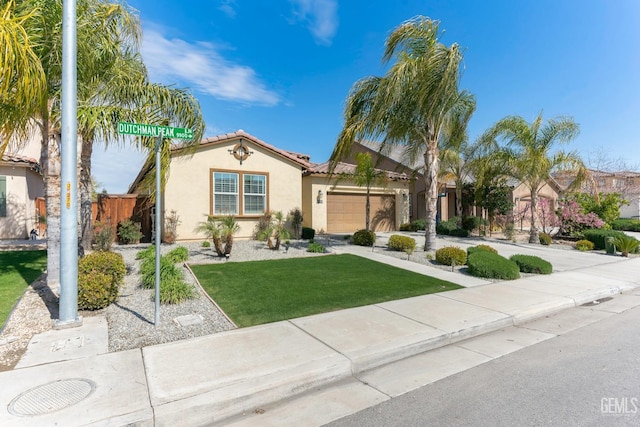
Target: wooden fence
{"x":112,"y":209}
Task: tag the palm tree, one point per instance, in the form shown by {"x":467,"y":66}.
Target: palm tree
{"x":228,"y":227}
{"x":527,"y":154}
{"x":460,"y":160}
{"x":276,"y":231}
{"x":211,"y":228}
{"x":409,"y":105}
{"x":22,"y":78}
{"x":100,"y":26}
{"x":125,"y":94}
{"x":365,"y":175}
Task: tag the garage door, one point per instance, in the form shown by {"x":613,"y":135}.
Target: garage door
{"x":346,"y":212}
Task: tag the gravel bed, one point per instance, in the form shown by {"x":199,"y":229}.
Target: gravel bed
{"x":131,"y":318}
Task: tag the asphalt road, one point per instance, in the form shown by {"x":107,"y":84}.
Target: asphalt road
{"x":587,"y":377}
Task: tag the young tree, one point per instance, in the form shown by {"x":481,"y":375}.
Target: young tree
{"x":528,"y":157}
{"x":407,"y":106}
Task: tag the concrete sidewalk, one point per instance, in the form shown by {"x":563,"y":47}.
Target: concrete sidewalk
{"x":214,"y":378}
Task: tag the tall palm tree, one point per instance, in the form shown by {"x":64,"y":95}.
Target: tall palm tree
{"x":22,"y":78}
{"x":461,"y":160}
{"x":100,"y":25}
{"x":124,"y":94}
{"x":407,"y":106}
{"x":527,"y":153}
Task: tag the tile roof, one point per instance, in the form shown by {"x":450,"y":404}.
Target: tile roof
{"x":347,"y":168}
{"x":302,"y":159}
{"x":22,"y":160}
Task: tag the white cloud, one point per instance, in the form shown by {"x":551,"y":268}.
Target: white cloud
{"x":201,"y":66}
{"x":228,"y":7}
{"x":321,"y":16}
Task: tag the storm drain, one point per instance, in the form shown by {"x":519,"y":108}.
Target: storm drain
{"x":51,"y":397}
{"x":596,"y":302}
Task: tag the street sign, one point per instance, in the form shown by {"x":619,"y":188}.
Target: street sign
{"x":142,"y":129}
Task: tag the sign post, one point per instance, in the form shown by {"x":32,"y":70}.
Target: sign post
{"x":159,"y":132}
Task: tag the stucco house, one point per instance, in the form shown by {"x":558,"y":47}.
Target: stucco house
{"x":21,"y":183}
{"x":241,"y":175}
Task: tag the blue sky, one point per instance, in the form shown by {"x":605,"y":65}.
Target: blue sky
{"x":281,"y":69}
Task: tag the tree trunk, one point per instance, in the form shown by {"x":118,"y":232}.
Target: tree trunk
{"x":431,"y":194}
{"x":367,"y":211}
{"x":86,"y":216}
{"x":459,"y":202}
{"x":50,"y":161}
{"x":534,"y":236}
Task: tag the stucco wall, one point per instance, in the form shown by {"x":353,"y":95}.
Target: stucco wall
{"x":188,"y":190}
{"x":23,"y":186}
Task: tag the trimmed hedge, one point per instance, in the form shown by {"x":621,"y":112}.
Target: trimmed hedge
{"x":598,"y":236}
{"x":450,"y":254}
{"x":492,"y":266}
{"x":100,"y":275}
{"x":472,"y":222}
{"x":459,"y":232}
{"x":444,"y":227}
{"x":402,"y":243}
{"x":626,"y":224}
{"x":472,"y":249}
{"x":585,"y":245}
{"x":364,"y":238}
{"x":532,"y":264}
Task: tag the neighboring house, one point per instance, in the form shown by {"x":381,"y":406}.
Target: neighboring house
{"x":241,"y":175}
{"x":335,"y":204}
{"x":627,"y":183}
{"x":21,"y":182}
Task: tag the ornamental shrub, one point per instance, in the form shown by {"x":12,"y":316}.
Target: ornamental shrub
{"x":626,"y":224}
{"x":402,"y":243}
{"x":492,"y":266}
{"x":472,"y":249}
{"x":597,"y":236}
{"x":532,"y":264}
{"x":471,"y":223}
{"x":545,"y":239}
{"x":100,"y":276}
{"x":103,"y":236}
{"x":175,"y":292}
{"x":168,"y":272}
{"x":308,"y":233}
{"x":459,"y":232}
{"x":450,"y":254}
{"x":146,"y":253}
{"x":419,"y":224}
{"x":585,"y":245}
{"x":206,"y":244}
{"x":129,"y":232}
{"x":626,"y":244}
{"x":408,"y":227}
{"x":315,"y":248}
{"x":364,"y":238}
{"x":179,"y":254}
{"x":445,"y":227}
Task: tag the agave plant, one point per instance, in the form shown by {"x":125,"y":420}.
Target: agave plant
{"x":626,"y":244}
{"x":211,"y":228}
{"x":276,"y":231}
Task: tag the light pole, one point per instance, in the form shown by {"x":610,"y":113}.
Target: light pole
{"x":68,"y":316}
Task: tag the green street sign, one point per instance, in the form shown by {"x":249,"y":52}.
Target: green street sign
{"x":142,"y":129}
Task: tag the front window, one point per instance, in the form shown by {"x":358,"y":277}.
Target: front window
{"x":255,"y":194}
{"x":225,"y":193}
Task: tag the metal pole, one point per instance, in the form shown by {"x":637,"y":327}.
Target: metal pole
{"x":68,"y":316}
{"x":156,"y":321}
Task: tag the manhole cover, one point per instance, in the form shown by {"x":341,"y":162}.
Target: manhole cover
{"x":51,"y":397}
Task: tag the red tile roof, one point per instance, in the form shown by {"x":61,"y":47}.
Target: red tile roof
{"x":21,"y":160}
{"x":347,"y":168}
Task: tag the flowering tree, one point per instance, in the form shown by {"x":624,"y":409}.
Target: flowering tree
{"x":547,"y":216}
{"x":572,"y":219}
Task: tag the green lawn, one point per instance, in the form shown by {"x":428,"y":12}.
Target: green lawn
{"x":252,"y":293}
{"x":17,"y":270}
